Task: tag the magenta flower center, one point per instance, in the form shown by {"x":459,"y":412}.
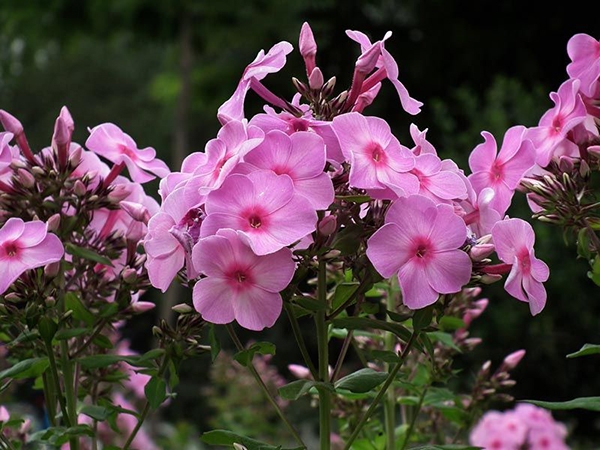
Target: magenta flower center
{"x":377,"y":153}
{"x":254,"y":221}
{"x":557,"y":124}
{"x":241,"y":276}
{"x":10,"y":248}
{"x":127,"y":151}
{"x":497,"y":171}
{"x":524,"y":261}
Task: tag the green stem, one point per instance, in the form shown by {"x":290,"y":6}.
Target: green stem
{"x":338,"y":365}
{"x":342,"y":307}
{"x":413,"y":419}
{"x":50,"y":399}
{"x":161,"y":371}
{"x":263,"y":386}
{"x":390,"y":402}
{"x":6,"y":442}
{"x":56,"y":381}
{"x":388,"y":382}
{"x":90,"y":340}
{"x":300,"y":340}
{"x":70,"y":389}
{"x":322,"y":342}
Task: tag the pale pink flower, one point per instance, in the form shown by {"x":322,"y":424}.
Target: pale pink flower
{"x":264,"y":207}
{"x":550,"y":136}
{"x":25,"y":246}
{"x":377,"y":160}
{"x":264,"y":64}
{"x":514,"y":239}
{"x":239,"y":284}
{"x":436,"y":183}
{"x":482,"y":216}
{"x":584,"y":52}
{"x":110,"y":142}
{"x":420,"y":242}
{"x":422,"y":145}
{"x":501,"y":171}
{"x":301,"y":156}
{"x":512,"y":360}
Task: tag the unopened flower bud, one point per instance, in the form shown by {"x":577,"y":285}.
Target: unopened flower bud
{"x":237,"y":446}
{"x":53,"y":222}
{"x":93,"y":198}
{"x":565,"y":164}
{"x":488,"y":392}
{"x":508,"y":383}
{"x":50,"y":302}
{"x":316,"y":80}
{"x":489,"y":278}
{"x":17,"y":164}
{"x":79,"y":188}
{"x":129,"y":275}
{"x":119,"y":193}
{"x":481,"y":251}
{"x":328,"y":87}
{"x":13,"y":297}
{"x":368,"y":60}
{"x":299,"y":372}
{"x":10,"y":123}
{"x":157,"y":332}
{"x":25,"y":178}
{"x":584,"y":169}
{"x":327,"y":226}
{"x":472,"y":342}
{"x":182,"y":308}
{"x":75,"y":157}
{"x":486,"y":367}
{"x":137,"y":211}
{"x":25,"y":427}
{"x":505,"y":398}
{"x":308,"y":47}
{"x":511,"y":361}
{"x":51,"y":270}
{"x":37,"y":171}
{"x":67,"y":119}
{"x":594,"y":150}
{"x":141,"y":307}
{"x":66,"y":315}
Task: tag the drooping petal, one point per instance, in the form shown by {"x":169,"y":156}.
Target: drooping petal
{"x":536,"y":294}
{"x":12,"y":229}
{"x":256,"y":309}
{"x":510,"y":236}
{"x":162,"y":270}
{"x":417,"y":293}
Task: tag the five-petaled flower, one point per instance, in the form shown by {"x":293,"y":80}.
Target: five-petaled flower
{"x":24,"y":246}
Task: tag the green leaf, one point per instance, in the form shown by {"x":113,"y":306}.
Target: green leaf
{"x":80,"y":312}
{"x":595,"y":273}
{"x":445,"y":339}
{"x":99,"y":361}
{"x":387,"y":356}
{"x":309,"y":303}
{"x":88,"y":254}
{"x":422,"y":318}
{"x":589,"y":403}
{"x":47,"y":328}
{"x":583,"y":244}
{"x":245,"y":356}
{"x":224,"y":437}
{"x":362,"y":323}
{"x":354,"y":198}
{"x":361,"y":381}
{"x":95,"y":412}
{"x":449,"y":323}
{"x":343,"y":292}
{"x":348,"y":240}
{"x":398,"y":317}
{"x":215,"y":345}
{"x":296,"y":389}
{"x":69,"y":333}
{"x":156,"y":392}
{"x":28,"y":368}
{"x":587,"y":349}
{"x":102,"y":341}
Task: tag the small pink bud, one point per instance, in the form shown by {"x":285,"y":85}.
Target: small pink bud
{"x":508,"y":383}
{"x":594,"y":150}
{"x":10,"y":123}
{"x":53,"y":222}
{"x":481,"y":251}
{"x":299,"y":372}
{"x":119,"y":193}
{"x":512,"y":360}
{"x":75,"y":157}
{"x":137,"y":211}
{"x":62,"y":134}
{"x":50,"y":302}
{"x":490,"y":278}
{"x":307,"y":43}
{"x":327,"y":226}
{"x":51,"y":270}
{"x":25,"y":427}
{"x":565,"y":164}
{"x":486,"y":366}
{"x":13,"y":297}
{"x":584,"y":169}
{"x":141,"y":307}
{"x":316,"y":80}
{"x":4,"y":415}
{"x":129,"y":275}
{"x":135,"y":231}
{"x":79,"y":188}
{"x":66,"y":117}
{"x":473,"y":342}
{"x":25,"y":178}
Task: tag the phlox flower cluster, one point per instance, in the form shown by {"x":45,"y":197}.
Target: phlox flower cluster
{"x":525,"y":426}
{"x":241,"y":216}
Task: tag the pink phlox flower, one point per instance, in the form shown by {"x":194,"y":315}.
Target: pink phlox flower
{"x":264,"y":64}
{"x":377,"y":160}
{"x":438,"y":184}
{"x":481,"y":217}
{"x":8,"y":154}
{"x":239,"y":284}
{"x":4,"y":414}
{"x":301,"y":156}
{"x":422,"y":145}
{"x":110,"y":142}
{"x":501,"y":171}
{"x":386,"y":68}
{"x":514,"y":239}
{"x":176,"y":179}
{"x":283,"y":121}
{"x":498,"y":431}
{"x":420,"y":242}
{"x":550,"y":136}
{"x":172,"y":233}
{"x":264,"y":207}
{"x":25,"y":246}
{"x":584,"y":52}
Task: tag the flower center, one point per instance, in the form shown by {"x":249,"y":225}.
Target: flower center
{"x":241,"y":276}
{"x":254,"y":221}
{"x":10,"y":248}
{"x":377,"y":153}
{"x":421,"y":251}
{"x":127,"y":151}
{"x":497,"y":171}
{"x":524,"y":262}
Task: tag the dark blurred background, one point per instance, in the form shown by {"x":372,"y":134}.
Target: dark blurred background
{"x":159,"y":70}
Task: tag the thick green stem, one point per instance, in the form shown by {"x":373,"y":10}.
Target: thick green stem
{"x":56,"y":381}
{"x":300,"y":340}
{"x":70,"y":389}
{"x":413,"y":420}
{"x":322,"y":342}
{"x":263,"y":386}
{"x":50,"y":398}
{"x":388,"y":382}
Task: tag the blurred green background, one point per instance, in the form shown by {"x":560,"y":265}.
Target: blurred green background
{"x":160,"y":69}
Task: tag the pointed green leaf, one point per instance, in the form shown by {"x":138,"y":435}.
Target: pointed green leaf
{"x":80,"y":312}
{"x":589,"y":403}
{"x":28,"y":368}
{"x":245,"y":356}
{"x":587,"y":349}
{"x":88,"y":254}
{"x":228,"y":438}
{"x":156,"y":392}
{"x":215,"y":345}
{"x":296,"y":389}
{"x":361,"y":381}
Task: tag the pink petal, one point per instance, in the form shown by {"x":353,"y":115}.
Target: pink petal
{"x":271,"y":191}
{"x":162,"y":271}
{"x":388,"y":249}
{"x":256,"y":309}
{"x":212,"y":298}
{"x":449,"y":271}
{"x":307,"y":156}
{"x":448,"y":231}
{"x":274,"y":272}
{"x":214,"y":255}
{"x":409,"y":104}
{"x":483,"y":156}
{"x":536,"y":293}
{"x":10,"y":270}
{"x":235,"y":194}
{"x":12,"y":229}
{"x":49,"y":250}
{"x":317,"y":190}
{"x":510,"y":236}
{"x":447,"y":185}
{"x":514,"y":283}
{"x":417,"y":293}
